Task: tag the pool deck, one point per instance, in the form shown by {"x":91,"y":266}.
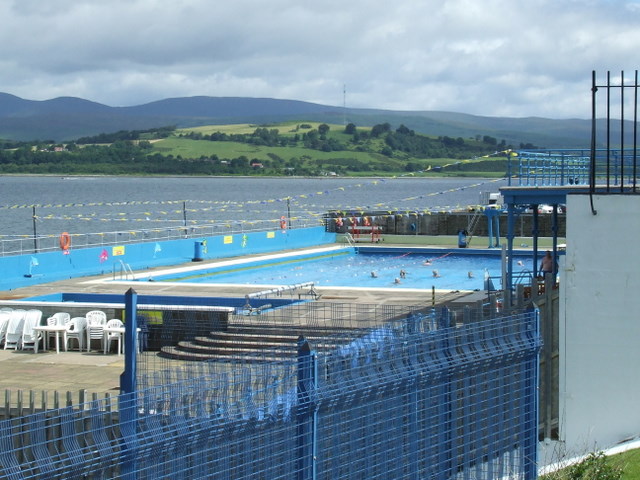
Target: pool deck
{"x":96,"y":372}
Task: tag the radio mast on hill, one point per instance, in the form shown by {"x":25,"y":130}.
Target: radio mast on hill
{"x":344,"y":104}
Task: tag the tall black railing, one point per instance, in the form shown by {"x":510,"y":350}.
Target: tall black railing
{"x":614,"y":161}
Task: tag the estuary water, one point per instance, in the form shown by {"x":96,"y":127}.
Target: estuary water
{"x":112,"y":204}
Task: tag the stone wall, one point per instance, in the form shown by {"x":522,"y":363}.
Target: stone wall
{"x":446,"y":223}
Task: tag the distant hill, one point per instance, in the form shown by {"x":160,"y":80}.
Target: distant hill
{"x":68,"y":118}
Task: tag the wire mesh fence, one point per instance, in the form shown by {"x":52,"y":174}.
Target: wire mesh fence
{"x":391,"y":393}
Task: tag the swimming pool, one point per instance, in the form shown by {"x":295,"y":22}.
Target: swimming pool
{"x":354,"y":268}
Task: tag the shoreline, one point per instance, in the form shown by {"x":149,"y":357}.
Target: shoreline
{"x":319,"y":177}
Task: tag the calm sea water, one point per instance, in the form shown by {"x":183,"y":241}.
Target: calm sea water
{"x":111,"y":204}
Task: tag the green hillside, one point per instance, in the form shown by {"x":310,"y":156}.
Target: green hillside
{"x":316,"y":148}
{"x":289,"y":148}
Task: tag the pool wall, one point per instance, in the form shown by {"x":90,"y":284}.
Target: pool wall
{"x":431,"y":250}
{"x":25,"y":270}
{"x":71,"y":298}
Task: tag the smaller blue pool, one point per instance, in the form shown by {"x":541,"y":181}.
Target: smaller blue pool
{"x":413,"y":268}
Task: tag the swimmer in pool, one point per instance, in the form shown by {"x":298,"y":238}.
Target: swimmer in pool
{"x":427,"y":262}
{"x":397,"y":280}
{"x":403,"y":274}
{"x":436,"y":274}
{"x":470,"y":274}
{"x":374,"y":274}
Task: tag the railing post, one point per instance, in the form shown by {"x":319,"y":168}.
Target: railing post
{"x":306,"y":412}
{"x":445,"y":412}
{"x":128,"y":389}
{"x":511,"y":227}
{"x":531,"y":375}
{"x":128,"y":377}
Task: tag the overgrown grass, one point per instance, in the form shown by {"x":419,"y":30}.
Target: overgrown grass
{"x":597,"y":466}
{"x":630,"y":462}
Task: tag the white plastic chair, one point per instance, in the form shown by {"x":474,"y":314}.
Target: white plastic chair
{"x":30,"y":337}
{"x":96,"y":320}
{"x":14,"y":329}
{"x":4,"y":322}
{"x":110,"y":336}
{"x":59,"y":319}
{"x":76,"y":329}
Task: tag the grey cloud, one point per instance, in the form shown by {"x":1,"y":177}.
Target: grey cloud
{"x":496,"y":57}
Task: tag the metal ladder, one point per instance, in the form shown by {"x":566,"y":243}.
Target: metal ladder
{"x":350,"y":240}
{"x":473,"y":223}
{"x":124,"y":271}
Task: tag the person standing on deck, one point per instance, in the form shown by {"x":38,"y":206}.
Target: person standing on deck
{"x":547,"y":264}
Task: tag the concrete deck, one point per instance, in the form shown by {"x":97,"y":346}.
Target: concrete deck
{"x":96,"y":372}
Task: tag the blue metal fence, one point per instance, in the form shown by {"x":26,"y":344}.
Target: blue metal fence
{"x":614,"y":169}
{"x":420,"y":397}
{"x":559,"y":167}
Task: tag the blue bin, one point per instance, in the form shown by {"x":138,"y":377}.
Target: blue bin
{"x":197,"y":252}
{"x":462,"y":239}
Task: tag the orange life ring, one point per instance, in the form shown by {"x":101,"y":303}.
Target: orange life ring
{"x":283,"y":223}
{"x":65,"y":241}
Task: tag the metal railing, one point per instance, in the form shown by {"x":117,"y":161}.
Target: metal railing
{"x":423,"y":397}
{"x":28,"y":244}
{"x":616,"y":166}
{"x":122,"y":271}
{"x":560,"y":167}
{"x":613,"y":169}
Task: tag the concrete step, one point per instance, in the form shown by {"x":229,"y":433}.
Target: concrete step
{"x":257,"y":342}
{"x":180,"y":353}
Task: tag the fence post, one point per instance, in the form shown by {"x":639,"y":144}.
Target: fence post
{"x":446,"y":420}
{"x":128,"y":394}
{"x":128,"y":377}
{"x":531,"y":376}
{"x":306,"y":411}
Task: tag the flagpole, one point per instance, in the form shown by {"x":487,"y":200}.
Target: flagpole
{"x":184,"y":218}
{"x":35,"y":234}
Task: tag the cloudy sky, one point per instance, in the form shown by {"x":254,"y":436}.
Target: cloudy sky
{"x":487,"y":57}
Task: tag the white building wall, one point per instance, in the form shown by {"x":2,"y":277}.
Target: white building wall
{"x":600,"y":323}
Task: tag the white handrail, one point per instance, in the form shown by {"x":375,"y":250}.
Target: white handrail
{"x":126,"y":268}
{"x":350,"y":240}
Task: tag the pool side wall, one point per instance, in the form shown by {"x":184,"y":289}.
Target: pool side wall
{"x":26,"y":270}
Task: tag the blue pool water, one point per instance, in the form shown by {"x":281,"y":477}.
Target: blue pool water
{"x":347,"y":269}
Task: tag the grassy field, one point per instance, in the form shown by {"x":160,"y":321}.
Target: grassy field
{"x":188,"y":148}
{"x":356,"y":159}
{"x":287,"y":129}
